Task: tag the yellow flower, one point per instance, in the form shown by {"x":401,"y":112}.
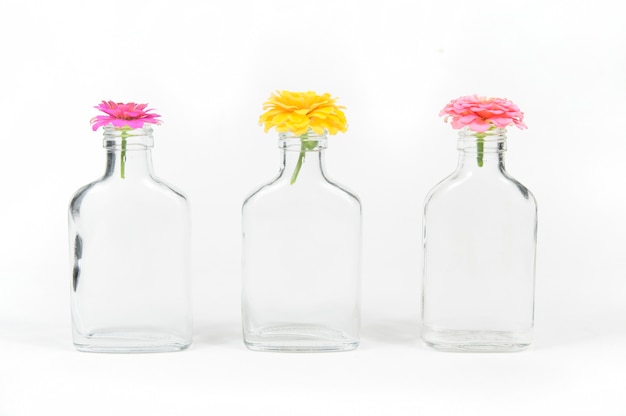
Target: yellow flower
{"x":297,"y":112}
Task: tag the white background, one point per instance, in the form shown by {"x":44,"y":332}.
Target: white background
{"x":207,"y":67}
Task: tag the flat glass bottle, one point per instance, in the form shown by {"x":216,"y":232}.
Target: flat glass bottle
{"x":480,"y":230}
{"x":301,"y":256}
{"x":130,"y":252}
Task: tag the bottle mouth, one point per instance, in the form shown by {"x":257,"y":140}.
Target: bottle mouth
{"x":308,"y":142}
{"x":119,"y":138}
{"x":493,"y":140}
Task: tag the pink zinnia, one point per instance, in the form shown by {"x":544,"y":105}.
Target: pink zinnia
{"x":121,"y":115}
{"x":481,"y":113}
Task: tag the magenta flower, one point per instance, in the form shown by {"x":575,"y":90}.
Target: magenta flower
{"x":480,"y":114}
{"x":124,"y":115}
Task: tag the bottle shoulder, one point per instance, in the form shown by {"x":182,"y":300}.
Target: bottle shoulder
{"x":166,"y":186}
{"x":345,"y":190}
{"x":108,"y":191}
{"x":281,"y":191}
{"x":81,"y":193}
{"x":476,"y":187}
{"x":526,"y":193}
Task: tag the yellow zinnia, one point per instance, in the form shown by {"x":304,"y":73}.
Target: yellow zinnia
{"x":297,"y":112}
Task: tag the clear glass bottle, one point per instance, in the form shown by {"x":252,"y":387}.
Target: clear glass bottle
{"x":480,"y":230}
{"x":301,"y":256}
{"x":130,"y":251}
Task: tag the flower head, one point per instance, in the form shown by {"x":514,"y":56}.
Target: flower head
{"x":120,"y":115}
{"x":297,"y":112}
{"x":481,"y":113}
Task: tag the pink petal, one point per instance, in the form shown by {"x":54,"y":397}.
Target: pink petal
{"x":479,"y":126}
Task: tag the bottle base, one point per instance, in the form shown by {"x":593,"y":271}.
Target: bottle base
{"x":127,"y":342}
{"x":476,"y":341}
{"x":299,"y":338}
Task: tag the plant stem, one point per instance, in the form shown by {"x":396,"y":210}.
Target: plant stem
{"x":305,"y":146}
{"x":123,"y":158}
{"x":294,"y":176}
{"x":303,"y":149}
{"x":480,"y":147}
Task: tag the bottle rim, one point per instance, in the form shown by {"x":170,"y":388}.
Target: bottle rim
{"x":309,"y":142}
{"x":116,"y":138}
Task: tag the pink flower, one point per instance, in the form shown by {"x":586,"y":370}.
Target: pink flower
{"x":120,"y":115}
{"x":481,"y":113}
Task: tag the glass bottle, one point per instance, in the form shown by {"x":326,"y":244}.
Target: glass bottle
{"x":301,"y":256}
{"x":130,"y":248}
{"x":480,"y":230}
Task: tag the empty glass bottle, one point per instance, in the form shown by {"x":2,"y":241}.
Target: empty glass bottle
{"x":301,"y":256}
{"x":130,"y":248}
{"x":480,"y":228}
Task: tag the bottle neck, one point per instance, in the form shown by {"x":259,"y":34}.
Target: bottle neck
{"x":481,"y":152}
{"x":302,"y":157}
{"x":128,"y":153}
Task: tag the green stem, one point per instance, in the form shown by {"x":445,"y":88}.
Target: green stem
{"x":304,"y":146}
{"x":294,"y":176}
{"x":480,"y":147}
{"x":123,"y":158}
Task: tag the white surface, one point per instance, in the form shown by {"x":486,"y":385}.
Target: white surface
{"x":207,"y":67}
